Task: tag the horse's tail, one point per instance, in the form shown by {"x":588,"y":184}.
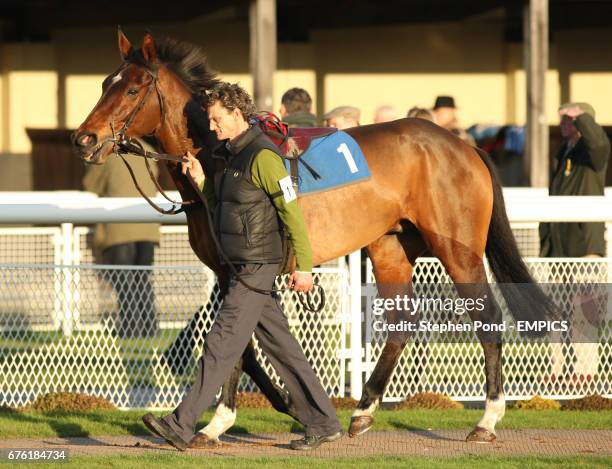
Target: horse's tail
{"x":525,"y":300}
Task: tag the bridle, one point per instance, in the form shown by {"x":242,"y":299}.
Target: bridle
{"x":122,"y":144}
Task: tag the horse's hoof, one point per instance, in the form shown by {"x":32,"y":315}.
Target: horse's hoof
{"x":481,"y":435}
{"x":360,"y":425}
{"x":202,"y":441}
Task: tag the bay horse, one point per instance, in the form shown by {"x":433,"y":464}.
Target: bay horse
{"x":429,"y":194}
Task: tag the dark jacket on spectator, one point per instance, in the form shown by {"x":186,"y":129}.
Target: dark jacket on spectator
{"x":112,"y":179}
{"x":581,"y":172}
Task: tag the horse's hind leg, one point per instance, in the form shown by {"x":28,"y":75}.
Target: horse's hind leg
{"x":466,"y":268}
{"x":225,"y":413}
{"x":393,"y":266}
{"x":278,"y":397}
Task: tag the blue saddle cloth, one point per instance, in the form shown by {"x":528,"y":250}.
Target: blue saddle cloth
{"x":336,"y":158}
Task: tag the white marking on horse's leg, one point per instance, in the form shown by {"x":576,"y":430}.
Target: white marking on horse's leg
{"x":369,"y":411}
{"x":223,"y":419}
{"x":494,"y":411}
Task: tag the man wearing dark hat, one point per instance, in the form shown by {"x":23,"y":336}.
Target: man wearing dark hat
{"x":445,"y":115}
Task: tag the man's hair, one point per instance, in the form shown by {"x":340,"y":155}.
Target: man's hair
{"x":297,"y":100}
{"x":232,"y":96}
{"x":421,"y":113}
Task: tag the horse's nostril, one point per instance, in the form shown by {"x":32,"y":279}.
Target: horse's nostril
{"x":86,"y":140}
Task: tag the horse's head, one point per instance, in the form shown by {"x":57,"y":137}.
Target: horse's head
{"x":130,"y":106}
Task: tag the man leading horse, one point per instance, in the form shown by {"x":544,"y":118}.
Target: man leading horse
{"x":254,"y":203}
{"x":429,"y":194}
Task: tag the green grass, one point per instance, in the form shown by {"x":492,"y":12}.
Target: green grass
{"x":36,"y":425}
{"x":468,"y":462}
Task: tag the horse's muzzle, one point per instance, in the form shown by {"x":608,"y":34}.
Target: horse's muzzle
{"x":86,"y":146}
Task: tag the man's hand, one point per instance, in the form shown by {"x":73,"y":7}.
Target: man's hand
{"x":571,"y":112}
{"x":301,"y":281}
{"x":192,"y":166}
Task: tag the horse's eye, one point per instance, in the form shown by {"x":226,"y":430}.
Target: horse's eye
{"x":132,"y":92}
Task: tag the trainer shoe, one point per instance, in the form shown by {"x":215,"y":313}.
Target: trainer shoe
{"x":314,"y":441}
{"x":163,"y":430}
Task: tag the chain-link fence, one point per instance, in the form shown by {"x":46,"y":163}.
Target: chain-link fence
{"x":133,"y":334}
{"x":561,"y":369}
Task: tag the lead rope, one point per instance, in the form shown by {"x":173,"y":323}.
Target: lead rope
{"x":172,"y":211}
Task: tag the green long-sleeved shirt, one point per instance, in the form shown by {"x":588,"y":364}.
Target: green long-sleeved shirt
{"x":267,"y":170}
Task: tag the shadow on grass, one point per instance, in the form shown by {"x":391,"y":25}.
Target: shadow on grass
{"x":132,"y":427}
{"x":61,"y":429}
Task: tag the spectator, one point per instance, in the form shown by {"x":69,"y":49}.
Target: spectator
{"x":580,"y":169}
{"x":296,"y":108}
{"x":342,"y":117}
{"x":126,"y":244}
{"x":421,"y":113}
{"x":385,"y":113}
{"x":445,"y":115}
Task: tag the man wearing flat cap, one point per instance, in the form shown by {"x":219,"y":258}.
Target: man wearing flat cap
{"x":342,"y":117}
{"x":580,"y":169}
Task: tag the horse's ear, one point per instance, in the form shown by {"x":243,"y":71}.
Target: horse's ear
{"x":149,"y":52}
{"x":125,"y":47}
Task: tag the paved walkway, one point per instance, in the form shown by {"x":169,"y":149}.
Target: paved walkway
{"x":443,"y":443}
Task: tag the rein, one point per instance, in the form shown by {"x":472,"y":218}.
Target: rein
{"x":124,"y":144}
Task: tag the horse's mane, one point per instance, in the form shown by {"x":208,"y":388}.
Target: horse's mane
{"x":186,"y":60}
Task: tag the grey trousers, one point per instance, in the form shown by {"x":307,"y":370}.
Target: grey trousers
{"x":243,"y":313}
